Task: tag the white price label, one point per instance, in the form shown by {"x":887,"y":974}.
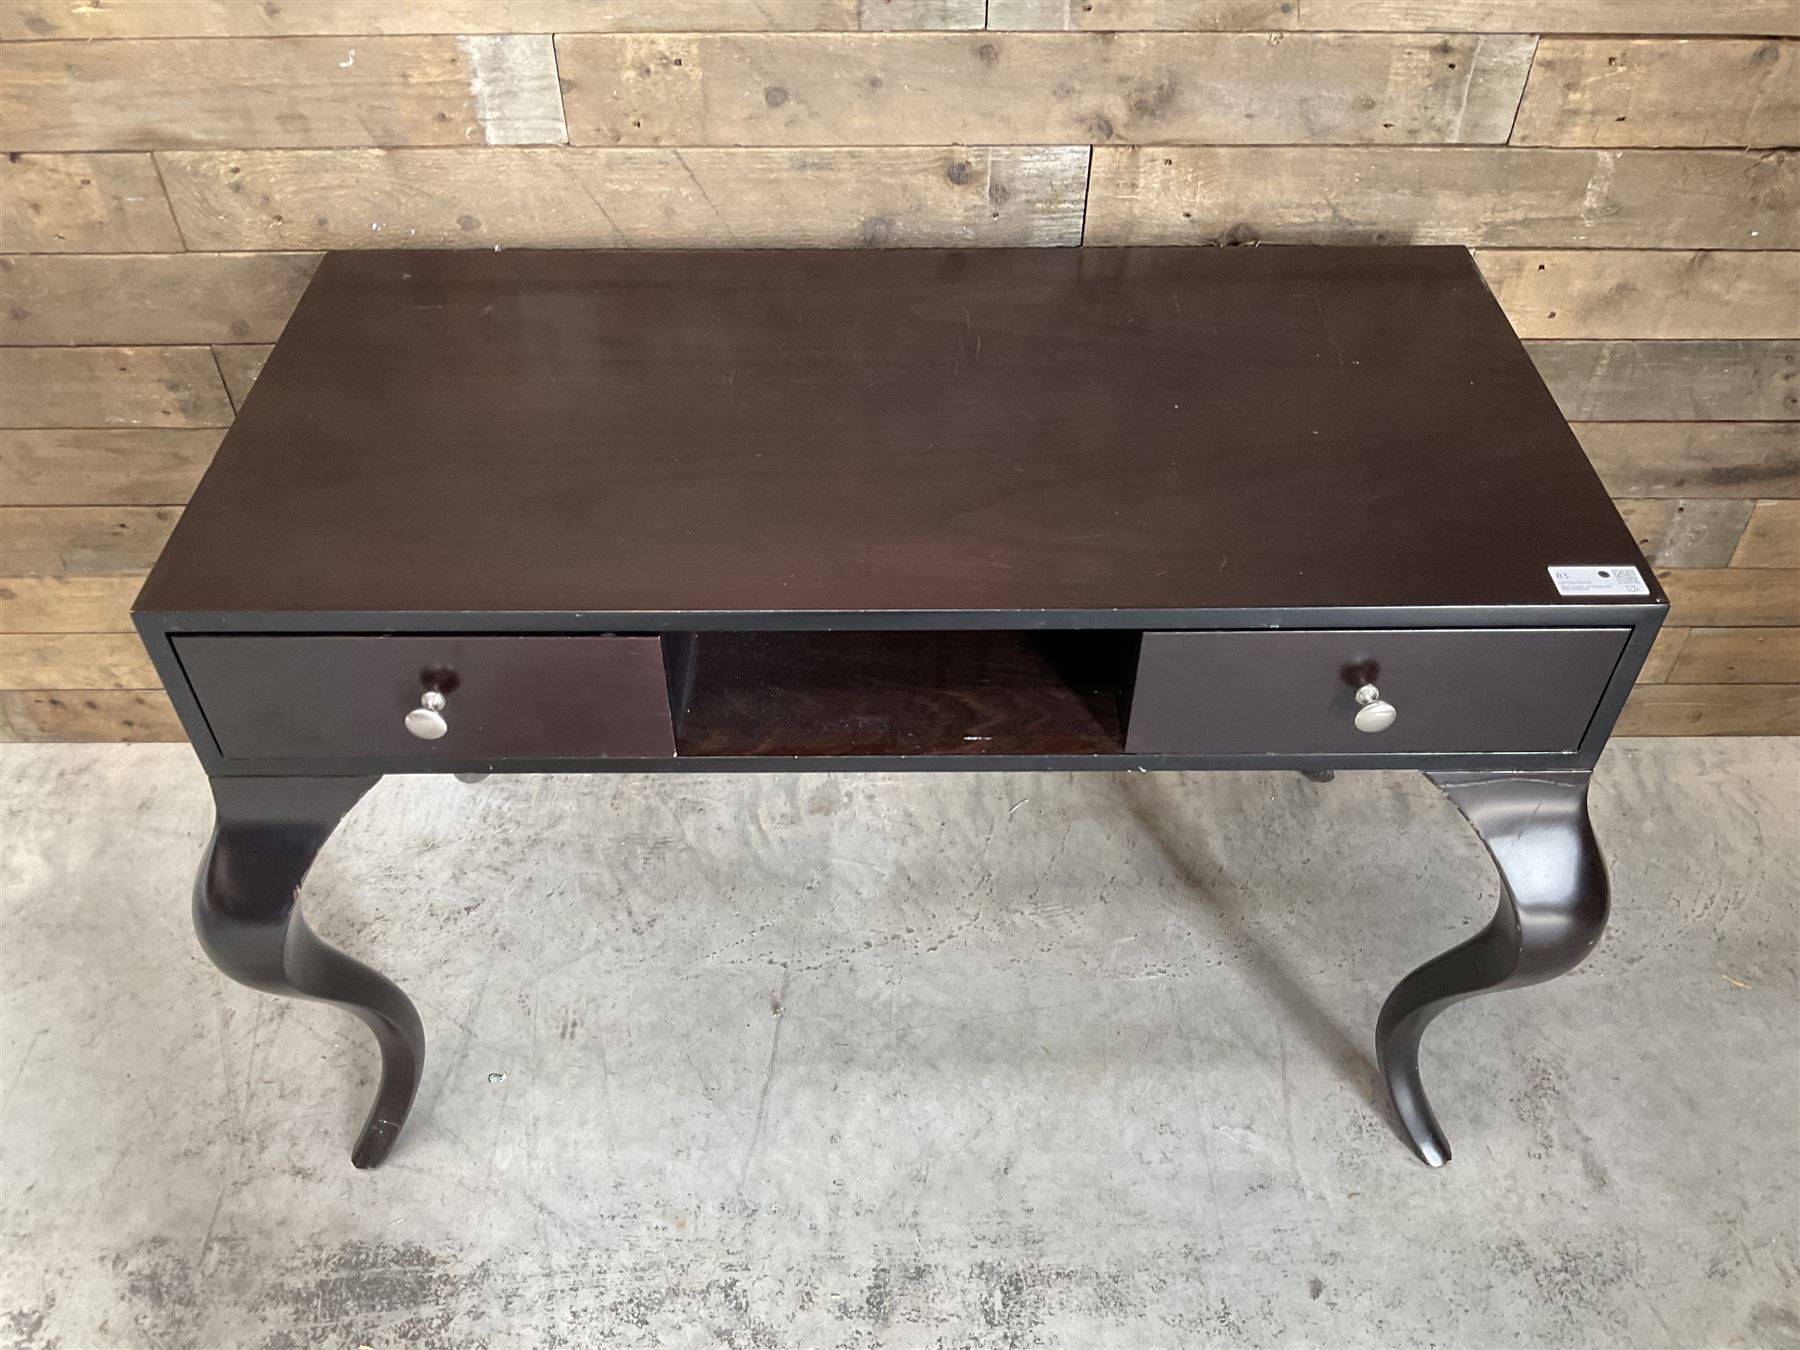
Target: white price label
{"x":1598,"y":581}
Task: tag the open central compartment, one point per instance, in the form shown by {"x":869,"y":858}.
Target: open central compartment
{"x":1001,"y":692}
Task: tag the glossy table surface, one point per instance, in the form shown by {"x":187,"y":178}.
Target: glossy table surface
{"x":985,"y":437}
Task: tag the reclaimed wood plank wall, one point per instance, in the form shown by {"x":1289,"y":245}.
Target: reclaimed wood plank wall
{"x":171,"y":168}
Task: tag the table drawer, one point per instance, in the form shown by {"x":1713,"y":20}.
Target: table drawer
{"x":527,"y":697}
{"x":1454,"y":690}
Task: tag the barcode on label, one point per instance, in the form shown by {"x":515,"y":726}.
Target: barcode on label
{"x":1598,"y":581}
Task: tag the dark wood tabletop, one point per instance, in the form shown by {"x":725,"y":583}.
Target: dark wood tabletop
{"x":1024,"y":433}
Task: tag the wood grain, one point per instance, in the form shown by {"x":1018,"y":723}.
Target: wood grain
{"x":1733,"y":597}
{"x":149,"y":298}
{"x":1604,"y":91}
{"x":905,"y":694}
{"x":1683,"y":199}
{"x":1647,"y":520}
{"x":1694,"y":459}
{"x":67,"y":604}
{"x":1622,"y":381}
{"x":83,"y":204}
{"x":1663,"y":654}
{"x":135,"y":466}
{"x":1645,"y":293}
{"x":1772,"y":537}
{"x":1682,"y":262}
{"x":111,"y":386}
{"x":1739,"y":656}
{"x":629,"y":198}
{"x":88,"y":715}
{"x":65,"y":541}
{"x":1682,"y":533}
{"x":280,"y":92}
{"x":48,"y":19}
{"x":239,"y":367}
{"x":1217,"y":16}
{"x":1410,"y":16}
{"x":74,"y":661}
{"x":1040,"y":89}
{"x":830,"y":431}
{"x":1711,"y":710}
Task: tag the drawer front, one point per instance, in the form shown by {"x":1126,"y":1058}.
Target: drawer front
{"x":1453,"y":690}
{"x":504,"y":697}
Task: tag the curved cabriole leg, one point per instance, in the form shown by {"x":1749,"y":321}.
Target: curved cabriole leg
{"x":247,"y":914}
{"x":1553,"y":904}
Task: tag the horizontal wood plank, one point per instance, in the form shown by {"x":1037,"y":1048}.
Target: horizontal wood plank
{"x":1646,"y":520}
{"x":966,"y":195}
{"x":111,"y":386}
{"x":1694,"y":459}
{"x":62,"y":541}
{"x":1113,"y":16}
{"x":1407,"y":16}
{"x":1738,"y":656}
{"x":1683,"y":533}
{"x":74,"y":661}
{"x":1663,"y":654}
{"x":240,"y":366}
{"x":280,"y":92}
{"x":64,"y":604}
{"x":1711,"y":710}
{"x":1622,"y":381}
{"x":1645,"y":293}
{"x":1772,"y":537}
{"x":1683,"y":199}
{"x":88,"y":715}
{"x":1732,"y":597}
{"x":83,"y":204}
{"x":1040,"y":89}
{"x":1608,"y":91}
{"x":22,"y":20}
{"x":149,"y":298}
{"x":131,"y":466}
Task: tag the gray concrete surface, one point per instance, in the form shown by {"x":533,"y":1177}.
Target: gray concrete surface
{"x":901,"y":1060}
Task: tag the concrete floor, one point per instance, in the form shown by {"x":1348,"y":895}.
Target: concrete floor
{"x":901,"y":1060}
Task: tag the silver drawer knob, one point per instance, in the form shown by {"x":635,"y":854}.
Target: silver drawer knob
{"x":1373,"y":714}
{"x":427,"y":720}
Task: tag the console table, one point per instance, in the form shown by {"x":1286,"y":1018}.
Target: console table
{"x":959,"y":510}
